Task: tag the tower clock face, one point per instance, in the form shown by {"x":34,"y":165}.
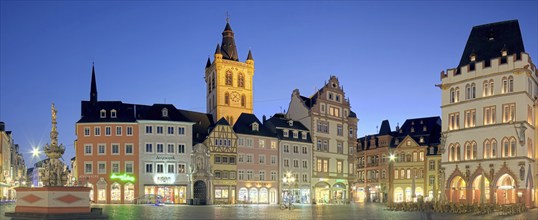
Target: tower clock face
{"x":235,"y":96}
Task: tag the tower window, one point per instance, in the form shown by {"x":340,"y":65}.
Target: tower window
{"x":226,"y":98}
{"x":229,"y":78}
{"x":243,"y":101}
{"x":165,"y":112}
{"x":241,"y":80}
{"x":103,"y":113}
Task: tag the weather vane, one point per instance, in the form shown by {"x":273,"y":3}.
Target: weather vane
{"x":227,"y":17}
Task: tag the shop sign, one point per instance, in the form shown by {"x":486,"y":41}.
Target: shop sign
{"x":123,"y":177}
{"x":340,"y":181}
{"x":164,"y":178}
{"x":165,"y":158}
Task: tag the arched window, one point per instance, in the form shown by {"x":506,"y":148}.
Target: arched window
{"x":457,"y":95}
{"x":505,"y":147}
{"x":229,"y":78}
{"x":475,"y":150}
{"x":493,"y":148}
{"x":473,"y":91}
{"x":491,"y":87}
{"x":115,"y":192}
{"x":113,"y":113}
{"x":458,"y":152}
{"x":510,"y":84}
{"x":452,"y":95}
{"x":452,"y":153}
{"x":485,"y":91}
{"x":487,"y":149}
{"x":513,"y":147}
{"x":241,"y":80}
{"x":243,"y":101}
{"x":128,"y":192}
{"x":226,"y":98}
{"x":504,"y":88}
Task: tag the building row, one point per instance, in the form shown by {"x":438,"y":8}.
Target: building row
{"x":132,"y":153}
{"x":486,"y":150}
{"x":12,"y":165}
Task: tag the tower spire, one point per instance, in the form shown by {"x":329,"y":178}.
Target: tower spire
{"x":229,"y":50}
{"x":93,"y":89}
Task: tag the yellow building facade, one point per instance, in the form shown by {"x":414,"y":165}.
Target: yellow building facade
{"x":229,"y":82}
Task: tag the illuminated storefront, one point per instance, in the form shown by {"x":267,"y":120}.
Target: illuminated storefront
{"x":167,"y":194}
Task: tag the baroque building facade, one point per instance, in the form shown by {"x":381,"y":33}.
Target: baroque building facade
{"x":328,"y":116}
{"x":489,"y":109}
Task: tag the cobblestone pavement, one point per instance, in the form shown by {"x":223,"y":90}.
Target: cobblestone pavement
{"x":351,"y":211}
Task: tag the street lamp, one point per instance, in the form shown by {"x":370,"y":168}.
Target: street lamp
{"x":519,"y":195}
{"x":289,"y":179}
{"x":392,"y":157}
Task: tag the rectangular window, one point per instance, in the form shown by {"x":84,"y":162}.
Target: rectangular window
{"x":305,"y":178}
{"x":159,"y":129}
{"x":115,"y":167}
{"x":489,"y":115}
{"x":323,"y":127}
{"x":101,"y":167}
{"x":88,"y":169}
{"x":129,"y":131}
{"x":320,"y":165}
{"x":261,"y":144}
{"x":88,"y":149}
{"x":509,"y":112}
{"x":149,"y":129}
{"x":273,"y":144}
{"x":286,"y":163}
{"x":181,"y":168}
{"x":224,"y":159}
{"x":171,"y":148}
{"x":470,"y":118}
{"x":340,"y":147}
{"x":97,"y":131}
{"x":262,"y":159}
{"x":304,"y":134}
{"x":339,"y":130}
{"x":149,"y":148}
{"x":295,"y":134}
{"x":305,"y":150}
{"x":86,"y":131}
{"x":171,"y":168}
{"x":326,"y":165}
{"x":181,"y":130}
{"x":454,"y":121}
{"x":240,"y":158}
{"x":149,"y":167}
{"x":249,"y":175}
{"x":240,"y":174}
{"x":232,"y":160}
{"x":217,"y":159}
{"x":305,"y":164}
{"x":295,"y":149}
{"x":432,"y":164}
{"x":115,"y":149}
{"x":273,"y":175}
{"x":160,"y":168}
{"x":101,"y":149}
{"x":180,"y":148}
{"x":273,"y":159}
{"x":249,"y":158}
{"x":118,"y":130}
{"x":129,"y":149}
{"x":339,"y":166}
{"x":295,"y":163}
{"x":286,"y":148}
{"x":262,"y":175}
{"x":170,"y":130}
{"x":108,"y":130}
{"x":160,"y":148}
{"x":129,"y":167}
{"x":432,"y":180}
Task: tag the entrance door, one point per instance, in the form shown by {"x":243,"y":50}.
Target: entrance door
{"x":200,"y":190}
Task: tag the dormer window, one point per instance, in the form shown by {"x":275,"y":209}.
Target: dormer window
{"x":165,"y":112}
{"x":285,"y":132}
{"x":330,"y":96}
{"x":113,"y":113}
{"x":290,"y":123}
{"x":421,"y":140}
{"x":304,"y":135}
{"x":472,"y":57}
{"x":412,"y":129}
{"x":295,"y":134}
{"x":504,"y":52}
{"x":255,"y":127}
{"x":401,"y":131}
{"x":424,"y":128}
{"x":102,"y":113}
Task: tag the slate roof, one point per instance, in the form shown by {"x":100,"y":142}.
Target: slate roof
{"x":154,"y":112}
{"x":385,"y":128}
{"x":243,"y":125}
{"x":228,"y":48}
{"x":279,"y":122}
{"x":90,"y":112}
{"x":486,"y":41}
{"x":202,"y":124}
{"x":415,"y":129}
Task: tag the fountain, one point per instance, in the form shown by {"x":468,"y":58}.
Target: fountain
{"x":54,"y":200}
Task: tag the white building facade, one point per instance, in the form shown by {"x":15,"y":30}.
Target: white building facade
{"x":489,"y":118}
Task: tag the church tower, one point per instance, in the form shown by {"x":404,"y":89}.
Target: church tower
{"x":229,"y":81}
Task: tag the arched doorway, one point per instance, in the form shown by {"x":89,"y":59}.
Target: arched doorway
{"x":322,"y":191}
{"x":128,"y":193}
{"x":115,"y":193}
{"x":92,"y":198}
{"x":200,"y":190}
{"x":480,"y":189}
{"x":419,"y":192}
{"x":506,"y":192}
{"x":408,"y":195}
{"x":253,"y":195}
{"x":264,"y":196}
{"x":243,"y":195}
{"x":398,"y":194}
{"x":458,"y":187}
{"x":273,"y":196}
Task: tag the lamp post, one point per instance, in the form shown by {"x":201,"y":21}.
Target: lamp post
{"x":289,"y":179}
{"x":392,"y":157}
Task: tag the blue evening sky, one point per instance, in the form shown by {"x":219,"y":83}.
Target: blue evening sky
{"x":386,"y":54}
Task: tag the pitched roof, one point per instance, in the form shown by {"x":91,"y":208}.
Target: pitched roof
{"x":229,"y":50}
{"x":243,"y":125}
{"x":90,"y":112}
{"x":155,"y":112}
{"x":202,"y":123}
{"x":486,"y":41}
{"x":279,"y":122}
{"x":222,"y":121}
{"x":428,"y":128}
{"x":385,"y":128}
